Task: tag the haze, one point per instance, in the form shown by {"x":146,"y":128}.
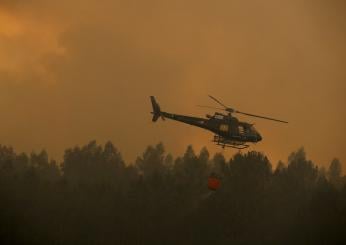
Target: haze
{"x":73,"y":71}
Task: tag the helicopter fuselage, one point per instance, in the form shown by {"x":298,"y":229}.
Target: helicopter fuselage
{"x":226,"y":126}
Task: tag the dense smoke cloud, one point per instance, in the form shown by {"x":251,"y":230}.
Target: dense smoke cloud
{"x":72,"y":71}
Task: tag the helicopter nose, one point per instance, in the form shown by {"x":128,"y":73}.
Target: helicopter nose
{"x":259,"y":137}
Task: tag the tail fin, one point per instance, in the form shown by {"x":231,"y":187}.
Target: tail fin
{"x":156,"y":109}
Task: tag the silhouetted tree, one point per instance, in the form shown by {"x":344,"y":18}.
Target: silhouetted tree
{"x":219,"y":166}
{"x":153,"y":161}
{"x":250,"y":171}
{"x":93,"y":197}
{"x":334,"y":173}
{"x":280,"y":168}
{"x":302,"y":172}
{"x":93,"y":165}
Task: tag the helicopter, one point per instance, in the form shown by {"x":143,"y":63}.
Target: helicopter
{"x":228,"y":130}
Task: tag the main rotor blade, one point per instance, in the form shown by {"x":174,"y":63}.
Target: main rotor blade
{"x":268,"y":118}
{"x":211,"y":107}
{"x":217,"y":101}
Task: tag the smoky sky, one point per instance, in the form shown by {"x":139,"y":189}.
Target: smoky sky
{"x":73,"y":71}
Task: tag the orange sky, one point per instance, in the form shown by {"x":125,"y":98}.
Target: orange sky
{"x":73,"y":71}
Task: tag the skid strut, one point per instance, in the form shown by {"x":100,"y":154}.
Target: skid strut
{"x":221,"y":141}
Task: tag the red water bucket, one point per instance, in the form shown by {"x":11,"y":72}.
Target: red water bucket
{"x":214,"y":183}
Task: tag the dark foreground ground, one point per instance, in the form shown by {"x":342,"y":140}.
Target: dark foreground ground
{"x":93,"y":197}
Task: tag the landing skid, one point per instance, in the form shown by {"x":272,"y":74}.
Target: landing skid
{"x":229,"y":143}
{"x":239,"y":147}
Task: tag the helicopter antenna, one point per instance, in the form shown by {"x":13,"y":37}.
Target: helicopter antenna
{"x":231,"y":110}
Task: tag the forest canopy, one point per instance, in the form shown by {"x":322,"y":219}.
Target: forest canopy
{"x":94,"y":197}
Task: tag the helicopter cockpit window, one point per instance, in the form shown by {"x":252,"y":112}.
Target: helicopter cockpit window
{"x":224,"y":128}
{"x":218,"y":117}
{"x":252,"y":128}
{"x":241,"y":129}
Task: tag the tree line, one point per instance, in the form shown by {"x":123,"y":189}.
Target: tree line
{"x":94,"y":197}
